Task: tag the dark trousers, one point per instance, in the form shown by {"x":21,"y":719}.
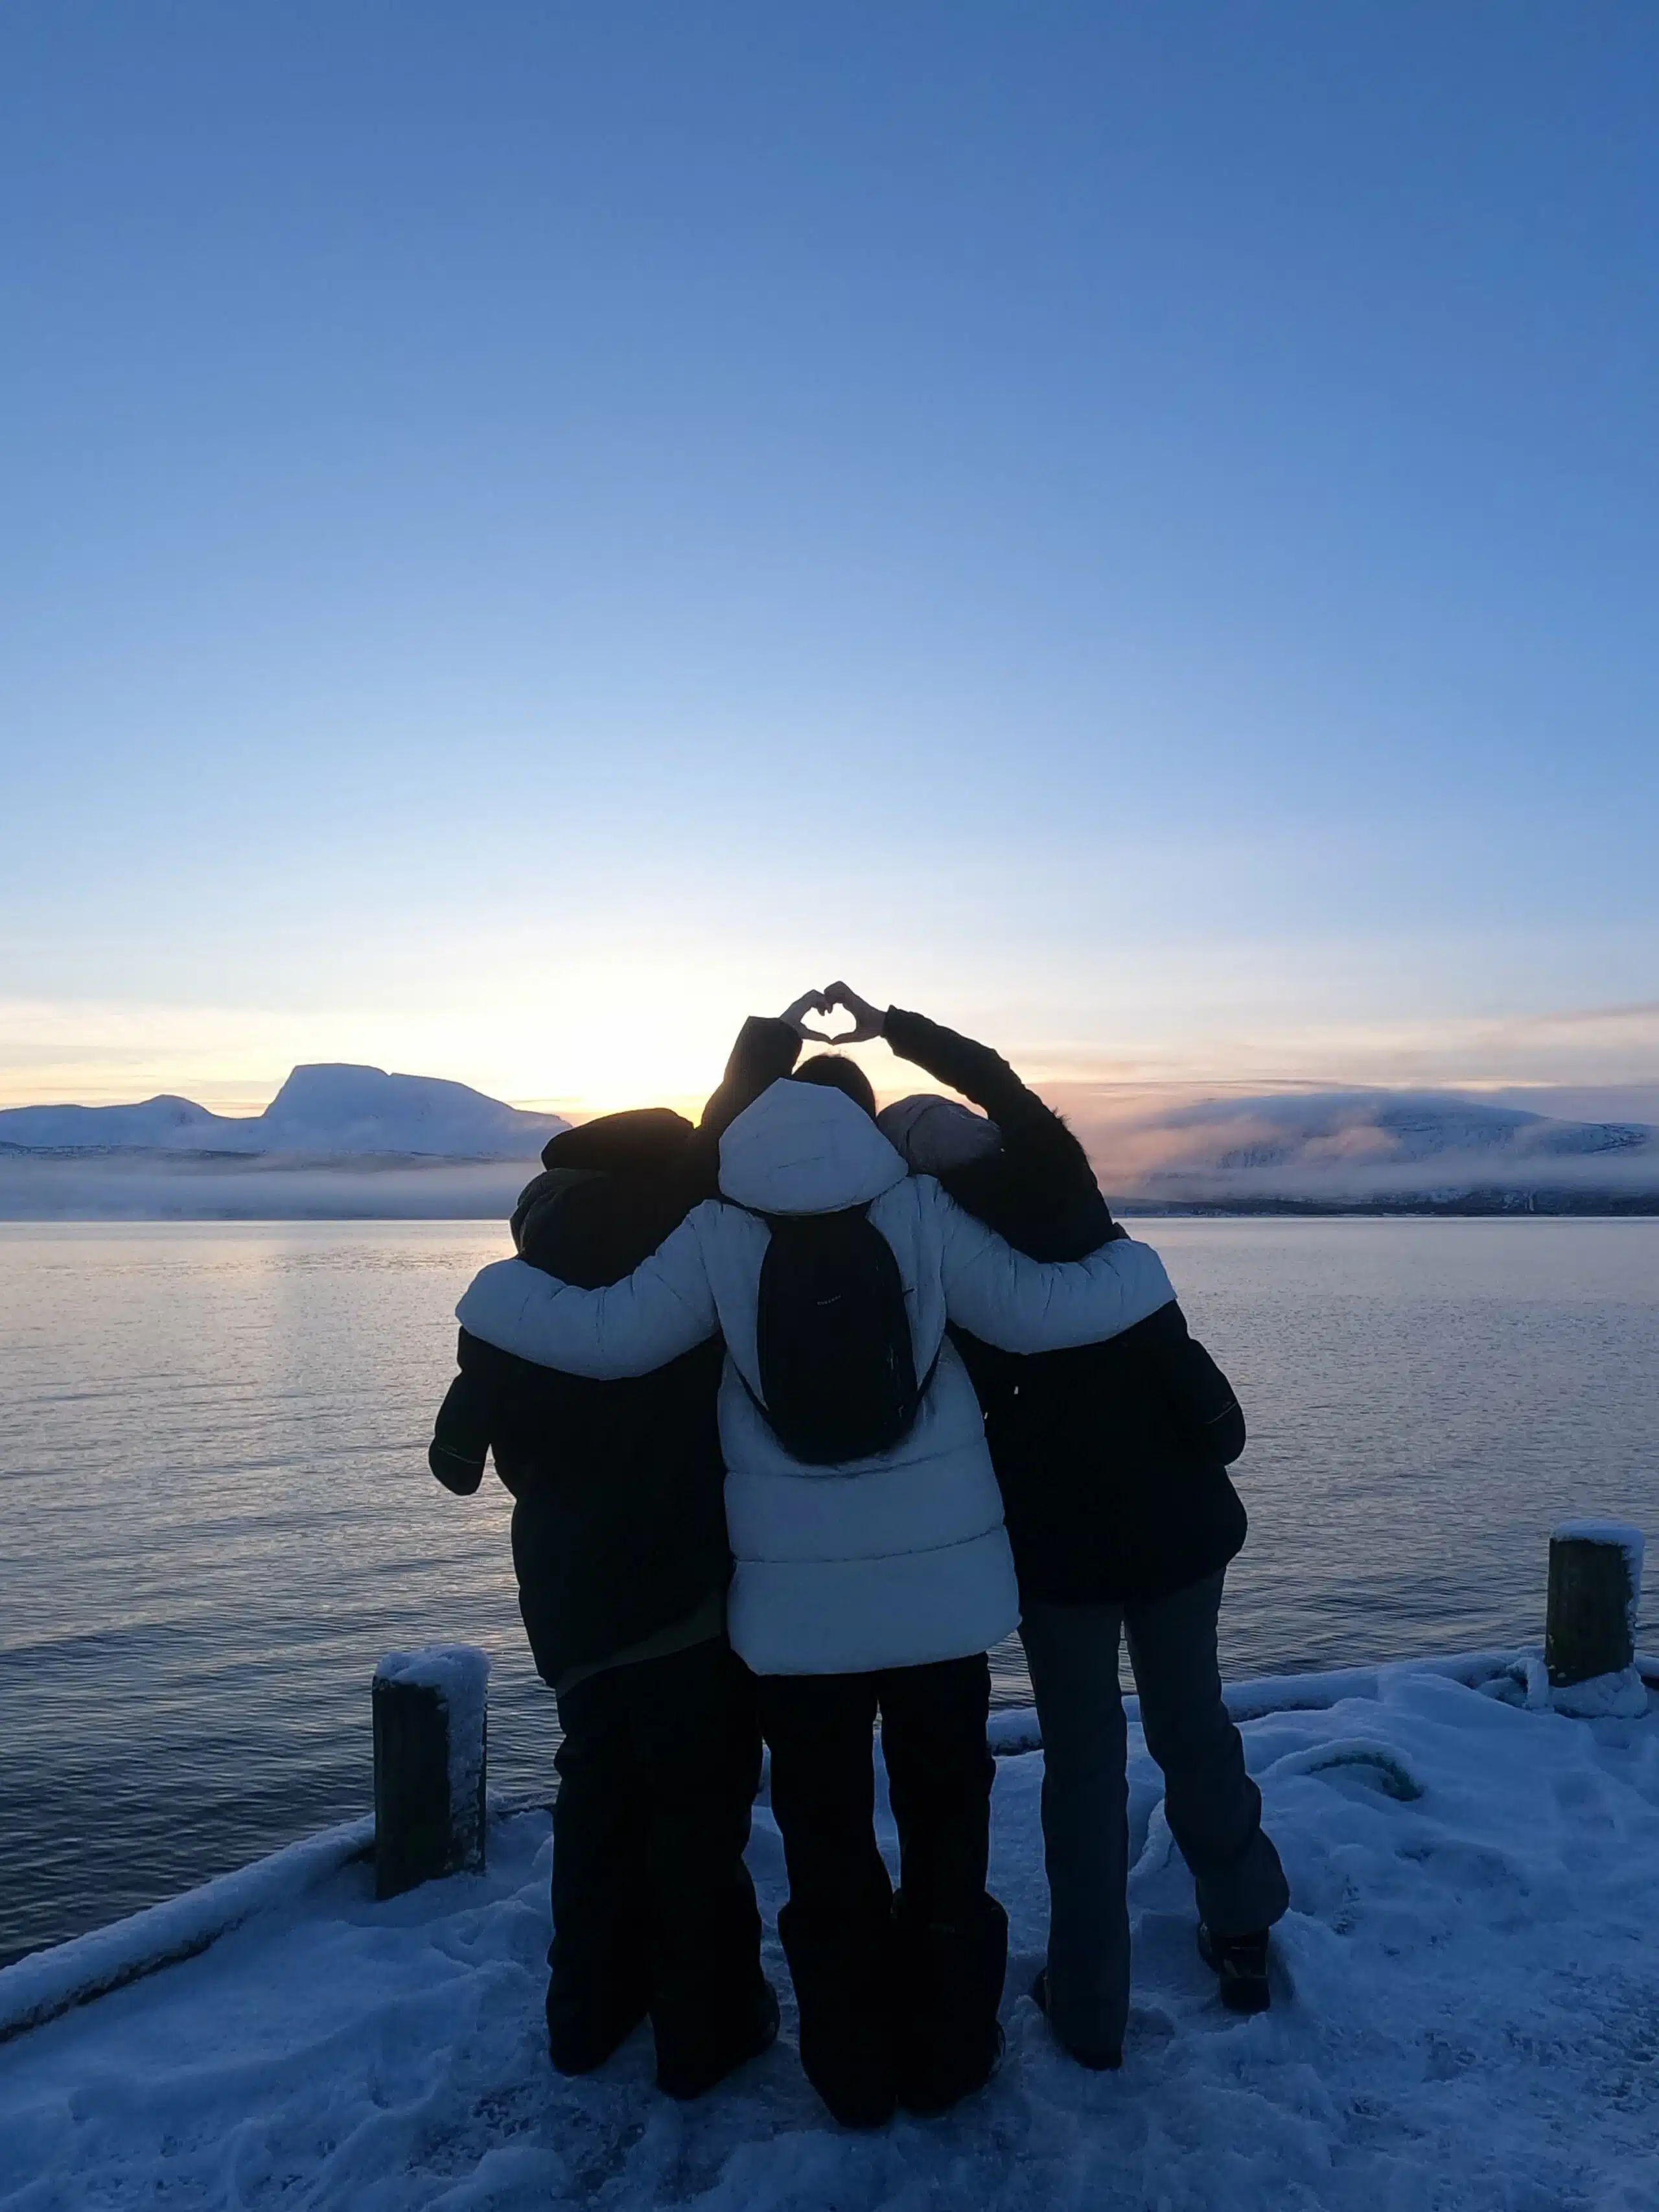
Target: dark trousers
{"x":1213,"y":1807}
{"x":896,"y":1998}
{"x":653,"y":1907}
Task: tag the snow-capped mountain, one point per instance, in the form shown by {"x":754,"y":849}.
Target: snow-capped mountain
{"x":1371,"y":1148}
{"x":1335,"y":1150}
{"x":1333,"y":1128}
{"x":325,"y":1111}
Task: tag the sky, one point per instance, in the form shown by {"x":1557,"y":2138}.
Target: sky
{"x":535,"y":531}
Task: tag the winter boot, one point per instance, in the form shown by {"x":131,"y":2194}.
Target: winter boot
{"x":1098,"y":2062}
{"x":1240,"y":1963}
{"x":841,"y":1971}
{"x":581,"y":2033}
{"x":949,"y":1984}
{"x":684,"y":2073}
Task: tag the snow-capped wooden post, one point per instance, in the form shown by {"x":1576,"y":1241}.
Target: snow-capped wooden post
{"x":1595,"y":1587}
{"x":431,"y":1724}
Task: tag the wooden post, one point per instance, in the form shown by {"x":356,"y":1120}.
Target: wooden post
{"x":1596,"y":1585}
{"x":430,"y":1726}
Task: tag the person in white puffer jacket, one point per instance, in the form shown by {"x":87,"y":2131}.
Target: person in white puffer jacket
{"x":876,"y":1585}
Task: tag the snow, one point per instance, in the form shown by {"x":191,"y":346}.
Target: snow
{"x":1620,"y":1694}
{"x":47,"y":1983}
{"x":357,"y":1110}
{"x":460,"y":1674}
{"x":1620,"y":1535}
{"x":1339,"y":1148}
{"x":1607,"y":1692}
{"x":1466,"y":2015}
{"x":327,"y":1111}
{"x":1387,"y":1149}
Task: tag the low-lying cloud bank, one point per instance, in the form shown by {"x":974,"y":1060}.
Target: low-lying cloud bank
{"x":150,"y":1187}
{"x":1382,"y":1151}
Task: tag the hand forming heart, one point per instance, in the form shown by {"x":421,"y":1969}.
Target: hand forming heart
{"x":868,"y":1021}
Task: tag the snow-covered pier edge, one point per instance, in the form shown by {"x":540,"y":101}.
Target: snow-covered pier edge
{"x":52,"y":1982}
{"x":1464,"y":2014}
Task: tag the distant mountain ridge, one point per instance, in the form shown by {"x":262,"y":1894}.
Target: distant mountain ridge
{"x":325,"y":1110}
{"x":1333,"y":1127}
{"x":1377,"y":1151}
{"x":1306,"y":1152}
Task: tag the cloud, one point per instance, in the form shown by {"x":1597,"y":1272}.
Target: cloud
{"x":1169,"y":1145}
{"x":147,"y":1189}
{"x":1645,"y":1014}
{"x":1346,"y":1147}
{"x":1579,"y":1045}
{"x":654,"y":1024}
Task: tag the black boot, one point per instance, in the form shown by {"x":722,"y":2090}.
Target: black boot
{"x":685,"y":2073}
{"x":949,"y":1984}
{"x":842,"y":1972}
{"x":1239,"y":1962}
{"x":582,"y":2035}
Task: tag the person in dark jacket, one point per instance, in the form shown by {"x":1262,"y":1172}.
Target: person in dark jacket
{"x":1113,"y":1462}
{"x":620,"y":1548}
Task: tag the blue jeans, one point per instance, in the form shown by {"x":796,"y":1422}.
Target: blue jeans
{"x":1213,"y":1807}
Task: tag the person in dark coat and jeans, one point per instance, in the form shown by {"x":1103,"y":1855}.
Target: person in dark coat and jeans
{"x":620,"y":1548}
{"x":1112,"y":1459}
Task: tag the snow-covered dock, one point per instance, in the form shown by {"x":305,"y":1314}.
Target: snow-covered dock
{"x":1466,"y":2012}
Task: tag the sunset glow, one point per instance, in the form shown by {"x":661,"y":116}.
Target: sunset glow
{"x":1180,"y":624}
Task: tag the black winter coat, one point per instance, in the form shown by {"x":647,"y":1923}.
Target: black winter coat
{"x":618,"y":1520}
{"x":619,"y":1515}
{"x":1112,"y":1458}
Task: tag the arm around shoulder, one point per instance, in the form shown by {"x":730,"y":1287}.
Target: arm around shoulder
{"x":663,"y":1309}
{"x":1031,"y":1305}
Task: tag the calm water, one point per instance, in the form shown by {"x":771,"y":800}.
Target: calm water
{"x":216,"y":1513}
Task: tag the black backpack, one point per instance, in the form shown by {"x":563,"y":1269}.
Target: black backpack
{"x":837,"y":1374}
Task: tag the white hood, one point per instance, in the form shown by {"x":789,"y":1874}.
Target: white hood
{"x":806,"y":1148}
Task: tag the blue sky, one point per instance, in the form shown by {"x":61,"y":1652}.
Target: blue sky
{"x":536,"y":530}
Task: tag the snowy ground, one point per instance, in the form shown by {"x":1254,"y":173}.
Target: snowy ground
{"x":1466,"y":2016}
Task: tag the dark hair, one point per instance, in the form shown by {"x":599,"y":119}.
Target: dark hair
{"x":834,"y":1073}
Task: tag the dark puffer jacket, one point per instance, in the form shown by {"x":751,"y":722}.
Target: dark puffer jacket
{"x":618,"y":1527}
{"x":619,"y":1519}
{"x":1112,"y":1458}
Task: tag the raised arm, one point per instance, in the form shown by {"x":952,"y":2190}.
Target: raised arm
{"x":766,"y":1050}
{"x":663,"y":1309}
{"x":973,"y":1069}
{"x":1040,"y":1189}
{"x":1035,"y":1305}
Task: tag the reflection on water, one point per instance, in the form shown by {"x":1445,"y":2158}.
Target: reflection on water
{"x":217,"y":1516}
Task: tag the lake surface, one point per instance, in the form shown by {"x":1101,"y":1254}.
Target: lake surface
{"x":216,"y":1513}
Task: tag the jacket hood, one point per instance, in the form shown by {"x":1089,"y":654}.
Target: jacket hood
{"x":538,"y":1199}
{"x":804,"y":1148}
{"x":644,"y":1137}
{"x":932,"y":1135}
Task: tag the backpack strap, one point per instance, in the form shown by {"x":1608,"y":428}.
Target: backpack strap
{"x":771,"y":1220}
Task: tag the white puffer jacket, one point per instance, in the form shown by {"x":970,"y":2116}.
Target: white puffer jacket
{"x":894,"y":1561}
